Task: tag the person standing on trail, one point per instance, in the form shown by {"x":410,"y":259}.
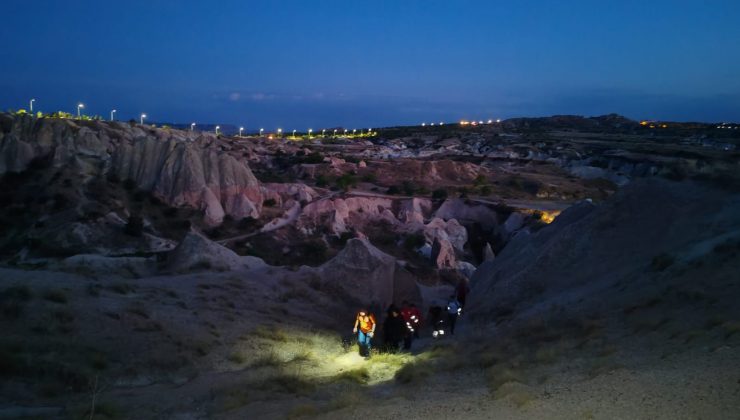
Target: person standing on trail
{"x":462,"y":292}
{"x":365,"y":329}
{"x":407,"y":313}
{"x":415,"y":319}
{"x":435,"y":319}
{"x":394,"y":329}
{"x":453,"y":311}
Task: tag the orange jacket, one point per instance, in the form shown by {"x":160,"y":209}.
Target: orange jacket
{"x":365,"y":323}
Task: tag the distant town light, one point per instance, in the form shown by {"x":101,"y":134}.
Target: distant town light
{"x":423,"y":124}
{"x":79,"y":106}
{"x":498,"y":120}
{"x":111,"y":114}
{"x":192,"y":126}
{"x":141,"y":119}
{"x":217,"y":128}
{"x":261,"y":131}
{"x":490,"y":121}
{"x":241,"y":129}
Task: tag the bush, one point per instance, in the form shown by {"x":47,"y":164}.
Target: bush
{"x":322,"y":181}
{"x":270,"y":202}
{"x":439,"y":194}
{"x":393,"y":190}
{"x":135,"y":226}
{"x":346,"y":181}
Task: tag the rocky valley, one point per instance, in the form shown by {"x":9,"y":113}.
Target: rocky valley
{"x":152,"y":272}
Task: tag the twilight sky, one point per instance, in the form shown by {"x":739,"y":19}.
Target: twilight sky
{"x":313,"y":63}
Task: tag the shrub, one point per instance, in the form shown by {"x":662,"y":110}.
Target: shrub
{"x":369,"y":178}
{"x":393,"y":190}
{"x":439,"y":194}
{"x":346,"y":181}
{"x":322,"y":181}
{"x":135,"y":226}
{"x":270,"y":202}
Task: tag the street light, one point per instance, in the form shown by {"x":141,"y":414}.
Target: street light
{"x":498,"y":120}
{"x":141,"y":119}
{"x":79,"y":106}
{"x":31,"y":103}
{"x":423,"y":124}
{"x":335,"y":133}
{"x":241,"y":129}
{"x":354,"y":131}
{"x":293,"y":133}
{"x":280,"y":132}
{"x":310,"y":130}
{"x":261,"y":130}
{"x":323,"y":132}
{"x":217,"y":127}
{"x":111,"y":114}
{"x":192,"y":126}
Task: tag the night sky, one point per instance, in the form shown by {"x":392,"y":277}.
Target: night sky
{"x":313,"y":63}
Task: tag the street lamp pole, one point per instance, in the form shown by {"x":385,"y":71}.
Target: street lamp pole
{"x":241,"y":129}
{"x":192,"y":126}
{"x":31,"y":105}
{"x":79,"y":106}
{"x":280,"y":132}
{"x":141,"y":118}
{"x":310,"y":130}
{"x":217,"y":127}
{"x":294,"y":134}
{"x":111,"y":114}
{"x":261,"y":131}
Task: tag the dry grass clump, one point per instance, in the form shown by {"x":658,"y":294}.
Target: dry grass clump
{"x":360,"y":375}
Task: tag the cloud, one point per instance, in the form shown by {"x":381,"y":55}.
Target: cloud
{"x":235,"y":96}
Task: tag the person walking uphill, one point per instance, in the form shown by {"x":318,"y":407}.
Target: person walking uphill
{"x":453,"y":311}
{"x":365,"y":329}
{"x":394,"y":329}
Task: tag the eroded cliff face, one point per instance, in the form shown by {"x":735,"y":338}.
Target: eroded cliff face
{"x":179,"y":167}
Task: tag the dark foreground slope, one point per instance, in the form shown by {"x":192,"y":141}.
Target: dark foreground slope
{"x":627,"y":309}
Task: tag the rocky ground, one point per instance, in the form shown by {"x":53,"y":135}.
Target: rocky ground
{"x":159,"y":273}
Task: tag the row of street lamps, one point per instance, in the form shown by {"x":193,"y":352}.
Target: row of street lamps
{"x":81,"y":106}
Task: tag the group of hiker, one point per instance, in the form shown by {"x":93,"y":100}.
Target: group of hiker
{"x":402,"y":325}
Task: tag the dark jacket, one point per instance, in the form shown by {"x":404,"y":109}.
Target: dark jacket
{"x":394,"y":329}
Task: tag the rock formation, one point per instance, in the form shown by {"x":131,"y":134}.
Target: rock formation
{"x":362,"y":273}
{"x":178,"y":167}
{"x":196,"y":252}
{"x":578,"y":259}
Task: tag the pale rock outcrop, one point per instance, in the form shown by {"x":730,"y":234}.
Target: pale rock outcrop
{"x":456,"y":208}
{"x":443,"y":254}
{"x":360,"y":272}
{"x":450,"y":231}
{"x":465,"y":268}
{"x":196,"y":252}
{"x":488,"y":254}
{"x":338,"y":214}
{"x":412,"y":211}
{"x":282,"y":193}
{"x":180,"y":173}
{"x":514,"y":222}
